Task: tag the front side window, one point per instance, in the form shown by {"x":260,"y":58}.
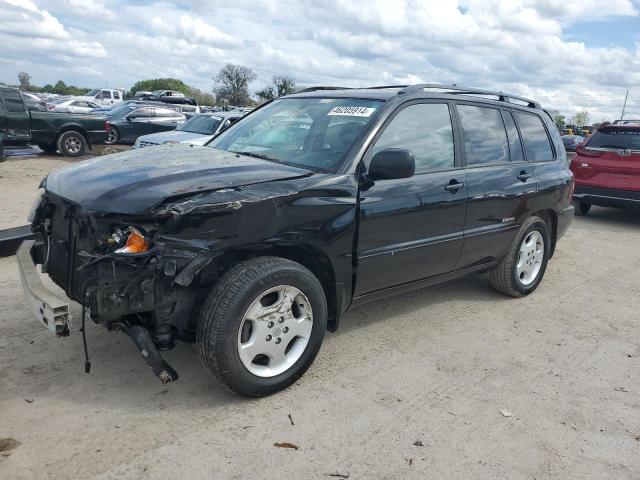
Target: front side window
{"x":485,"y":138}
{"x":314,"y":133}
{"x":534,"y":137}
{"x":425,"y":130}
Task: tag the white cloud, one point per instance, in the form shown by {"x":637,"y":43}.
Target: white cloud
{"x":511,"y":45}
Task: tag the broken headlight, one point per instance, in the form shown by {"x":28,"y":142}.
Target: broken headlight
{"x":131,"y":240}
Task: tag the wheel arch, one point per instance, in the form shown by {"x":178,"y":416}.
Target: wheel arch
{"x":310,"y":256}
{"x":73,"y":128}
{"x":550,"y":217}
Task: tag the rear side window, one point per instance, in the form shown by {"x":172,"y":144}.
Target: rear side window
{"x":424,"y":129}
{"x":534,"y":137}
{"x":515,"y":145}
{"x":13,"y":101}
{"x":485,"y":138}
{"x":621,"y":138}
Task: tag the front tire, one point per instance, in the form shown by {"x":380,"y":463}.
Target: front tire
{"x":72,"y":144}
{"x":262,"y":325}
{"x":521,"y":270}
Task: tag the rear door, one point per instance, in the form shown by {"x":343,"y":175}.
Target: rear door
{"x":500,"y":181}
{"x":411,"y":228}
{"x":104,"y":98}
{"x":17,"y":123}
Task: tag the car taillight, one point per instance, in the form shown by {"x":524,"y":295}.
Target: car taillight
{"x":583,"y":151}
{"x":107,"y":126}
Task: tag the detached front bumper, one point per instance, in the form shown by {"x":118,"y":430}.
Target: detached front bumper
{"x":49,"y":309}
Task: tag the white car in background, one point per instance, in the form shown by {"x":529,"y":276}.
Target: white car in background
{"x":198,"y":130}
{"x":103,"y":97}
{"x":71,"y":105}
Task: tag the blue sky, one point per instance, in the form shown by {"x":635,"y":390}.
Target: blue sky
{"x":570,"y":55}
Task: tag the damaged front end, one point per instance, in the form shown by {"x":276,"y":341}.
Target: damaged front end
{"x":124,"y":273}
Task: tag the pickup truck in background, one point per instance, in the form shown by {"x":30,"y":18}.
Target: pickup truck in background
{"x":72,"y":134}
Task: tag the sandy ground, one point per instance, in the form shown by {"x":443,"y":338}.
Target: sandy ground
{"x":431,"y":368}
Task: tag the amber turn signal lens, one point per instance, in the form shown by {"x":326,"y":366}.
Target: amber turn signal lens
{"x":136,"y":243}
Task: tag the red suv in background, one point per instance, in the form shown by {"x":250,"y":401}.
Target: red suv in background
{"x":606,"y":169}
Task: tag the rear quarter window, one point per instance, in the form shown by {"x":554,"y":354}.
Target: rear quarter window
{"x":536,"y":142}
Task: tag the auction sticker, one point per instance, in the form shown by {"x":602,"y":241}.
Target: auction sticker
{"x":352,"y":111}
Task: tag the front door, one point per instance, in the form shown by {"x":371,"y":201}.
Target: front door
{"x":412,"y":228}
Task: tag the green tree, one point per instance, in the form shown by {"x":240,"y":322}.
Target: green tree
{"x":160,"y":84}
{"x":559,"y":121}
{"x":232,"y":84}
{"x":266,"y":94}
{"x":581,"y":118}
{"x":284,"y":85}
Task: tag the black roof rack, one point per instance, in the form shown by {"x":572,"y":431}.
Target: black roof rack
{"x":449,"y":89}
{"x":454,"y":89}
{"x":315,"y":89}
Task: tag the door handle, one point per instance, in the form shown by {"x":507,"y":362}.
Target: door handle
{"x":524,"y":176}
{"x":453,"y":186}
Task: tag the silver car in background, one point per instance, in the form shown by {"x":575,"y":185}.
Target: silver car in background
{"x":198,"y":130}
{"x":71,"y":105}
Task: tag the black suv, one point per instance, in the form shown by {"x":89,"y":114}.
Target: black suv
{"x":256,"y":244}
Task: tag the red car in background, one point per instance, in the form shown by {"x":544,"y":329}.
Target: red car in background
{"x":606,"y":168}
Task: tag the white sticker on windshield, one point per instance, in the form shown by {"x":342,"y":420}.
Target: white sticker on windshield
{"x":352,"y":111}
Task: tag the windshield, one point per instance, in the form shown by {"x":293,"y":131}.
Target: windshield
{"x":205,"y":125}
{"x":616,"y":137}
{"x":309,"y":132}
{"x":92,"y":93}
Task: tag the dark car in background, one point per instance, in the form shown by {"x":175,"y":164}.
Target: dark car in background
{"x":198,"y":130}
{"x":167,"y":96}
{"x":128,"y":122}
{"x":607,"y":168}
{"x":72,"y":134}
{"x":571,"y":142}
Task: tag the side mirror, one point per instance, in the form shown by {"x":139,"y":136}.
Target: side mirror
{"x":392,"y":163}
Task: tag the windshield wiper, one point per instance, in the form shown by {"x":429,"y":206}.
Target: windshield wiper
{"x":257,"y":155}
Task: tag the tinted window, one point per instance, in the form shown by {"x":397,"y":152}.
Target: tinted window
{"x":623,"y":138}
{"x":485,"y":138}
{"x":13,"y":101}
{"x":141,"y":112}
{"x":424,"y":129}
{"x":515,"y":146}
{"x":534,"y":137}
{"x":166,"y":113}
{"x":205,"y":125}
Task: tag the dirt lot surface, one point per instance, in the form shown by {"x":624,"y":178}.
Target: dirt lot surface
{"x":410,"y":387}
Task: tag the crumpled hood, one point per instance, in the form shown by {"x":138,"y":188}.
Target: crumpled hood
{"x":173,"y":136}
{"x":134,"y":182}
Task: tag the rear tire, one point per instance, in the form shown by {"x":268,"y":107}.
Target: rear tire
{"x":257,"y":347}
{"x":521,"y":270}
{"x":113,"y":136}
{"x":583,"y":208}
{"x":72,"y":144}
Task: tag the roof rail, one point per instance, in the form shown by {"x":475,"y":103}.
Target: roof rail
{"x":454,"y":89}
{"x":315,"y":89}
